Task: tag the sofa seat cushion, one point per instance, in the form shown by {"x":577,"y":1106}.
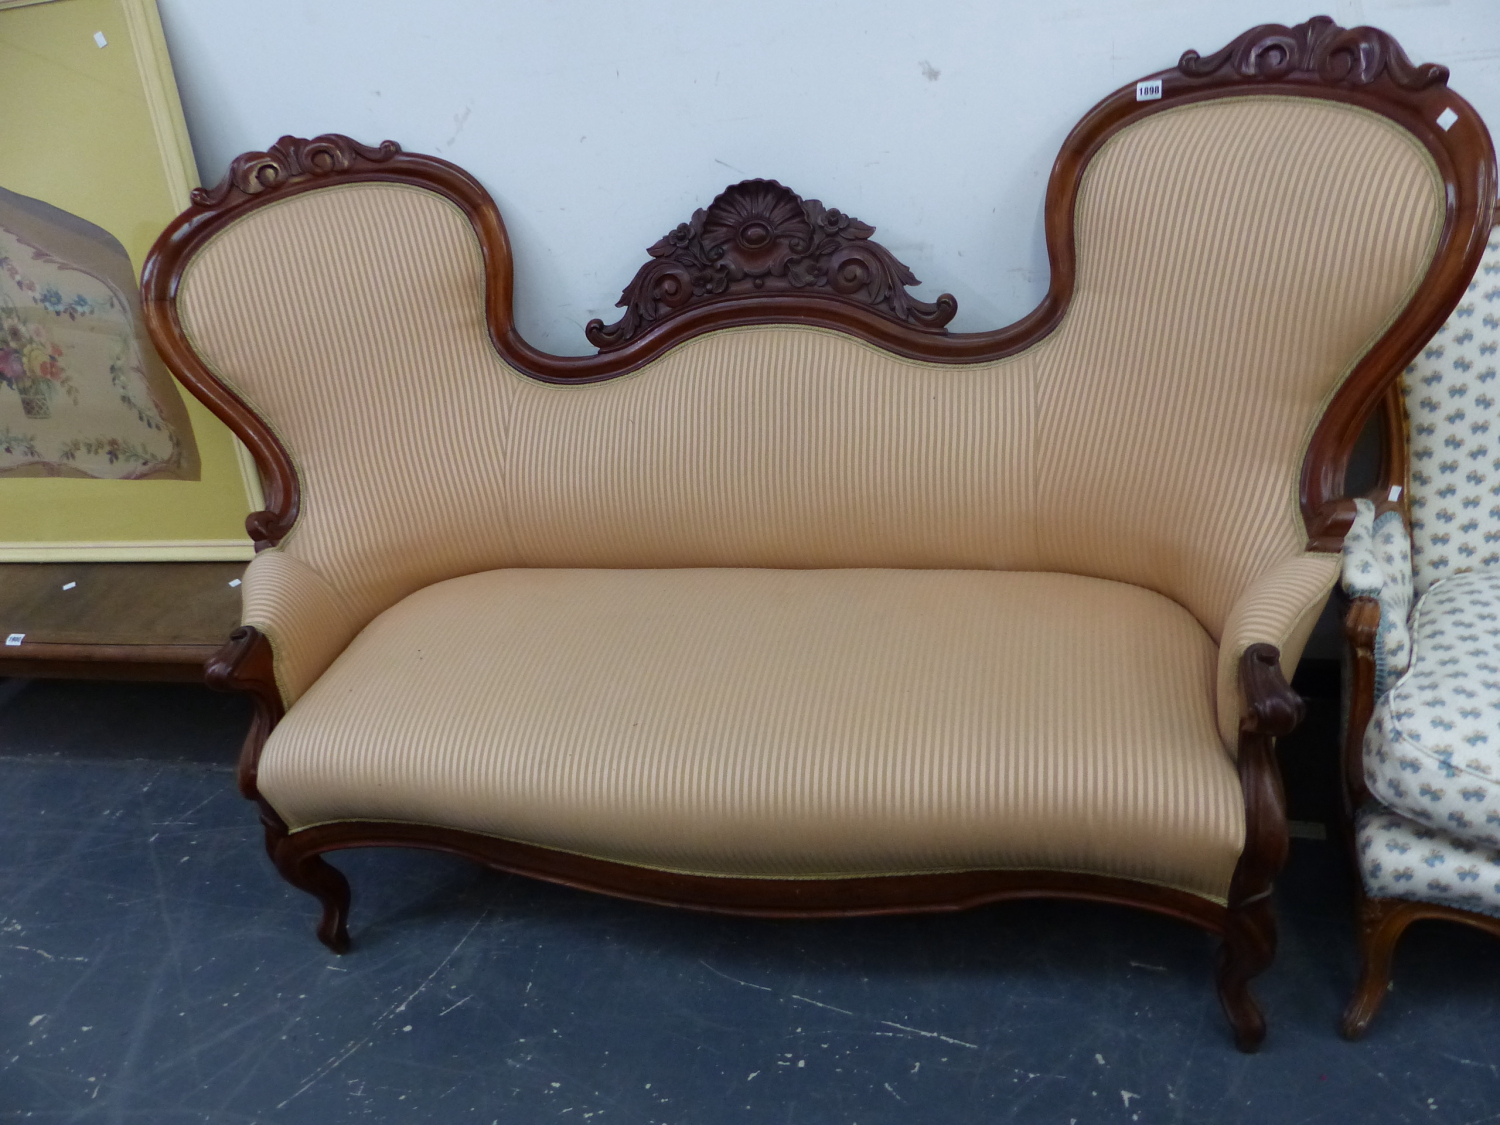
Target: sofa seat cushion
{"x":1432,"y":749}
{"x":782,"y":723}
{"x":1400,"y":858}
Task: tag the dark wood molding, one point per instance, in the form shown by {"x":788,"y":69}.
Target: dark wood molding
{"x":943,"y":892}
{"x":288,"y":160}
{"x":116,"y":620}
{"x":1380,"y":923}
{"x":758,"y":237}
{"x":1273,"y":710}
{"x":106,"y":662}
{"x":1318,"y":50}
{"x":1360,"y":67}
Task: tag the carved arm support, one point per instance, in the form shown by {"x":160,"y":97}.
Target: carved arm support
{"x":246,"y":664}
{"x":1273,"y":709}
{"x":1278,"y":611}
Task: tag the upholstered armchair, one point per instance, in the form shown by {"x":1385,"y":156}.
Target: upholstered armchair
{"x":789,"y":601}
{"x":1422,"y":747}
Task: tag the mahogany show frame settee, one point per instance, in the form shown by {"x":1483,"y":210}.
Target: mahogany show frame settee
{"x":789,"y":601}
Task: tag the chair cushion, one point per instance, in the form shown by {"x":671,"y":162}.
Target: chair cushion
{"x":1432,"y":750}
{"x":782,"y":723}
{"x":1399,"y":858}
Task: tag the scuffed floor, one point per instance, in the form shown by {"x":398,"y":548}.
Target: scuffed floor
{"x":154,"y":969}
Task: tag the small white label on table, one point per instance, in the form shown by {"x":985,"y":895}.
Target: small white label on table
{"x":99,"y":39}
{"x":69,"y":585}
{"x":234,"y":581}
{"x":15,"y":639}
{"x":1148,"y":91}
{"x":1447,"y":118}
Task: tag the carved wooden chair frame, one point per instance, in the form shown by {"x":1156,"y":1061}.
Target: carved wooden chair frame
{"x":705,"y":276}
{"x":1379,"y":922}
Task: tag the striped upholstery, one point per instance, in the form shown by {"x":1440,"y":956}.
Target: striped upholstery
{"x":1235,"y":258}
{"x":1280,"y":608}
{"x":782,"y":723}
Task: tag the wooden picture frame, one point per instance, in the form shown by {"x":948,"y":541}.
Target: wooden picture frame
{"x":103,"y":456}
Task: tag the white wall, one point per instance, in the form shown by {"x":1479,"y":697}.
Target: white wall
{"x":600,"y":126}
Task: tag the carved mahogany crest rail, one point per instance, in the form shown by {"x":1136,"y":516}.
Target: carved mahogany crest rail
{"x":760,"y":237}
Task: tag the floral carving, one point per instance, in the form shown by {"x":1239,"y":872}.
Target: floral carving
{"x":289,"y":159}
{"x":1318,"y":48}
{"x":759,"y":237}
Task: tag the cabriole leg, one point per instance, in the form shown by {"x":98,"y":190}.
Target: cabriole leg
{"x":1382,"y":921}
{"x":1248,"y":949}
{"x":310,"y":872}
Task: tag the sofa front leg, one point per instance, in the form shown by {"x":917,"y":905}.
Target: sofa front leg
{"x":1249,"y":948}
{"x":310,"y":872}
{"x":1250,"y":931}
{"x":246,"y":664}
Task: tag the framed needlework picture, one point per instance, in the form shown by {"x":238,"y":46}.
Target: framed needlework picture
{"x":102,"y":455}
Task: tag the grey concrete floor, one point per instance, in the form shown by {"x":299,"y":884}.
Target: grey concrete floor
{"x":154,"y":968}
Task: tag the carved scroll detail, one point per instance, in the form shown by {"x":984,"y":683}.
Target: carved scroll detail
{"x":291,"y":159}
{"x":1318,"y":48}
{"x":761,"y":237}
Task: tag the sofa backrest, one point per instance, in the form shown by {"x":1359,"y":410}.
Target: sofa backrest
{"x":1452,"y":400}
{"x":1234,"y":259}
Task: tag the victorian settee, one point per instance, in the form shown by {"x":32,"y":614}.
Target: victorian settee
{"x":789,"y":601}
{"x":1422,"y":744}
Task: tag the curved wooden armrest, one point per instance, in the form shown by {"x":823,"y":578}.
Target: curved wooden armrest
{"x":1275,"y":709}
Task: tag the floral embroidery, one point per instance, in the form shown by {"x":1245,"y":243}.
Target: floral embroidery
{"x":88,"y":396}
{"x":19,"y":445}
{"x":31,"y":363}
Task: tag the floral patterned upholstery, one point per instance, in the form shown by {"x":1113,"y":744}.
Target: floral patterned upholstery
{"x":1432,"y":749}
{"x":1400,"y":858}
{"x":1377,"y":564}
{"x":1451,"y":392}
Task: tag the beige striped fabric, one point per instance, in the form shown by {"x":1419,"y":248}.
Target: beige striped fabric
{"x":1235,"y":258}
{"x":1280,"y":608}
{"x":782,"y":723}
{"x":306,"y":620}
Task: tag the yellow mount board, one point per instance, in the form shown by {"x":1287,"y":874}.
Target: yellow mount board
{"x":98,"y":132}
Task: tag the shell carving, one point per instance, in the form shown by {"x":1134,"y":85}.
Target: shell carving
{"x":761,"y":237}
